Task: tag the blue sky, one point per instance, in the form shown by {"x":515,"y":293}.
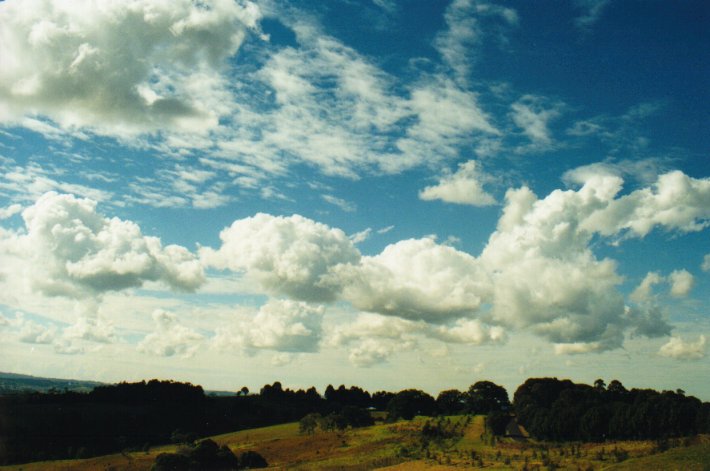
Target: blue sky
{"x":389,"y":194}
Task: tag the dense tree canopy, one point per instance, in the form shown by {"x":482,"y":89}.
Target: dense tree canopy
{"x":485,"y":397}
{"x":562,"y":410}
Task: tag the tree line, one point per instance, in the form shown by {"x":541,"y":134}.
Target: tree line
{"x":553,"y":409}
{"x":133,"y":416}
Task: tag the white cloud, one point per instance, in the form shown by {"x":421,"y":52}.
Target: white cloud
{"x":578,"y":348}
{"x":681,"y":282}
{"x":706,"y":263}
{"x":120,"y":68}
{"x":287,"y":255}
{"x":679,"y":349}
{"x":67,"y":347}
{"x":471,"y":332}
{"x":675,"y":202}
{"x":465,"y":186}
{"x":537,"y":271}
{"x":545,"y":277}
{"x":70,"y":250}
{"x":170,"y":337}
{"x":374,"y":338}
{"x":644,"y":291}
{"x":33,"y":332}
{"x":416,"y":279}
{"x":89,"y":328}
{"x":370,"y":352}
{"x":282,"y":359}
{"x":361,"y":236}
{"x":459,"y":42}
{"x":369,"y":325}
{"x":533,"y":116}
{"x":181,"y":186}
{"x":29,"y":182}
{"x":346,"y":206}
{"x":10,"y":211}
{"x":280,"y":325}
{"x":591,"y":11}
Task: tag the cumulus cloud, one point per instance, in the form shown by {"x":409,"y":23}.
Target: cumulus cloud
{"x":280,"y":325}
{"x":69,"y":249}
{"x":465,"y":186}
{"x":706,"y":263}
{"x":370,"y":352}
{"x":547,"y":279}
{"x":67,"y":347}
{"x":545,"y":276}
{"x":644,"y":291}
{"x":416,"y":279}
{"x":120,"y":67}
{"x":679,"y":349}
{"x":374,"y":338}
{"x":33,"y":332}
{"x":537,"y":271}
{"x":675,"y":201}
{"x":93,"y":329}
{"x":470,"y":332}
{"x":682,"y":282}
{"x":287,"y":255}
{"x":578,"y":348}
{"x":648,"y":322}
{"x":170,"y":337}
{"x":282,"y":359}
{"x":370,"y":325}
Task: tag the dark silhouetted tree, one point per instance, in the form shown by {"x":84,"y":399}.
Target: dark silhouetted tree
{"x":409,"y":403}
{"x":484,"y":397}
{"x":451,"y":402}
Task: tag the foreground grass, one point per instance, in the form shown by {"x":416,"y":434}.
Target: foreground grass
{"x":400,"y":446}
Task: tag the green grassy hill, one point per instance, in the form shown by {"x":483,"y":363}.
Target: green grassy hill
{"x":401,"y":446}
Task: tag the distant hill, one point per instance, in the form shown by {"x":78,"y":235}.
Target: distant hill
{"x":12,"y":383}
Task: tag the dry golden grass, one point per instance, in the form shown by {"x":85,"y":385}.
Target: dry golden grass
{"x":398,"y":447}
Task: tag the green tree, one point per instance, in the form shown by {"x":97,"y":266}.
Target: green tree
{"x":451,"y":402}
{"x":307,"y":425}
{"x":409,"y":403}
{"x":484,"y":397}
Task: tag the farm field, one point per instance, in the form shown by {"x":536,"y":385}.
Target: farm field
{"x":403,"y":446}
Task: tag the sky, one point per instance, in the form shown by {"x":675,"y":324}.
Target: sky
{"x":389,"y":194}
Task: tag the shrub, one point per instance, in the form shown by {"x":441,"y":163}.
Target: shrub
{"x":252,"y":460}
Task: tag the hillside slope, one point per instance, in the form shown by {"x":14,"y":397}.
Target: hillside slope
{"x":401,"y":446}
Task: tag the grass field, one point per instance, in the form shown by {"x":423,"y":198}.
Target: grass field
{"x":400,"y":446}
